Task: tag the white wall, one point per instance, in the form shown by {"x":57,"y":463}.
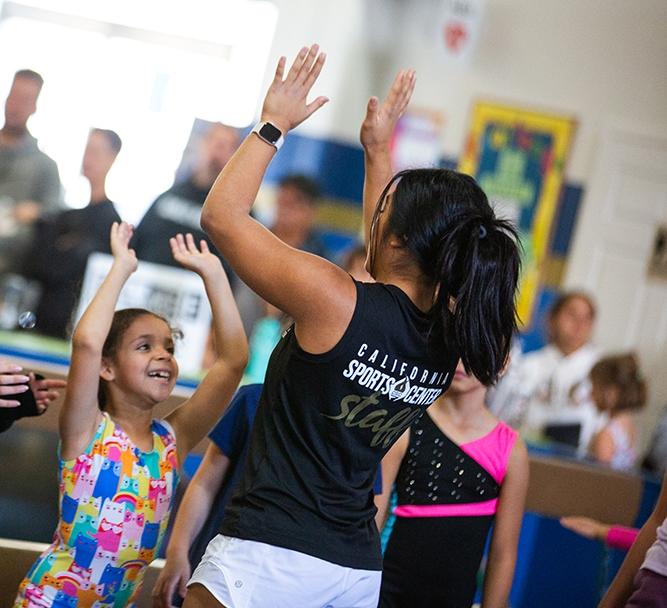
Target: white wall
{"x":602,"y":61}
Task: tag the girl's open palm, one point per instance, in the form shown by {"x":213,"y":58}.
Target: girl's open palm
{"x":381,"y":119}
{"x":120,"y":245}
{"x":201,"y":260}
{"x":285,"y":103}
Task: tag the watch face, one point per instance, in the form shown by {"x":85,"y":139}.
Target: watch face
{"x":270,"y":133}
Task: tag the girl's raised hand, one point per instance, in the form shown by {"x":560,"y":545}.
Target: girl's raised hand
{"x":201,"y":260}
{"x":381,"y":119}
{"x":285,"y":102}
{"x":120,"y":245}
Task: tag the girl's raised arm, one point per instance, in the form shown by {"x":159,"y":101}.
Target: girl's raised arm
{"x":317,"y":294}
{"x":375,"y":136}
{"x":195,"y":418}
{"x":507,"y":527}
{"x":79,"y":415}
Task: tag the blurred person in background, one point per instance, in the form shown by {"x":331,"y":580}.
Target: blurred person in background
{"x":29,"y":181}
{"x":618,"y":390}
{"x":548,"y":391}
{"x":656,"y":457}
{"x":178,"y":209}
{"x":296,"y":212}
{"x":62,"y":243}
{"x":199,"y":513}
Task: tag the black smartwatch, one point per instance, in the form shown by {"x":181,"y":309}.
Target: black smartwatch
{"x":270,"y":134}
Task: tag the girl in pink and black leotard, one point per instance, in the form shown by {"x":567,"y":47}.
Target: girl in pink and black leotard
{"x":456,"y":470}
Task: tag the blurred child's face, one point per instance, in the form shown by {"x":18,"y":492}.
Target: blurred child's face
{"x":144,"y":363}
{"x":463,"y":382}
{"x":604,"y":396}
{"x":573,"y":325}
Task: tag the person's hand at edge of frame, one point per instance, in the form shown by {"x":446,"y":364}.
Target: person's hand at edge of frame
{"x":12,"y":382}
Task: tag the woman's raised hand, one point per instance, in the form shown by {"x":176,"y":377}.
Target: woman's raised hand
{"x":120,"y":245}
{"x":285,"y":104}
{"x":381,"y":119}
{"x":201,"y":260}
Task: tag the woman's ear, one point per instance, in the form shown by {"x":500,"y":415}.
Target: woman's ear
{"x":106,"y":371}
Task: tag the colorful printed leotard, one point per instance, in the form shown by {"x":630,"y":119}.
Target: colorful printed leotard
{"x":115,"y":502}
{"x":447,"y":499}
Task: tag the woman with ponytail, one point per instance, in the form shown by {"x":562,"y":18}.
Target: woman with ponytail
{"x":361,"y":363}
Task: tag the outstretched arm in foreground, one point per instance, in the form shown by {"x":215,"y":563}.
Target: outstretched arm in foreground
{"x":317,"y":294}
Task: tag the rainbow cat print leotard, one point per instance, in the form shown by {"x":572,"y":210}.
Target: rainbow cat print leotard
{"x":115,"y":502}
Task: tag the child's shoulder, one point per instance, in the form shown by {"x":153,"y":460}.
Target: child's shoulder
{"x":505,"y":430}
{"x":502,"y":439}
{"x":621,"y":426}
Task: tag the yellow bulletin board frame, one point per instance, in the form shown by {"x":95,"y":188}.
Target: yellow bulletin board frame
{"x":521,"y":154}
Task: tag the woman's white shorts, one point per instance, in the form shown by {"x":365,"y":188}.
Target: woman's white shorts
{"x":247,"y":574}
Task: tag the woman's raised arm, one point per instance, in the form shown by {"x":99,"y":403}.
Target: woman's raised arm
{"x":317,"y":294}
{"x":375,"y":136}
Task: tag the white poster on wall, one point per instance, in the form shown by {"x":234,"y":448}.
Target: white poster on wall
{"x":178,"y":295}
{"x":460,"y":26}
{"x":416,"y":141}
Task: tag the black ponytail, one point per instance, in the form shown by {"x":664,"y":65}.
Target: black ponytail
{"x":478,"y":267}
{"x":471,"y":257}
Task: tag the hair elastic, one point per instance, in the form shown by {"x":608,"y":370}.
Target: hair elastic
{"x":482,"y":232}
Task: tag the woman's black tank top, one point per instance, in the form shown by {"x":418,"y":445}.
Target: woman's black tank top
{"x":324,"y":423}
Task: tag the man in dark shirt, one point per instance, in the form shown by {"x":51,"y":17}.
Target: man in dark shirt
{"x":296,"y":211}
{"x":178,"y":209}
{"x":63,"y":243}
